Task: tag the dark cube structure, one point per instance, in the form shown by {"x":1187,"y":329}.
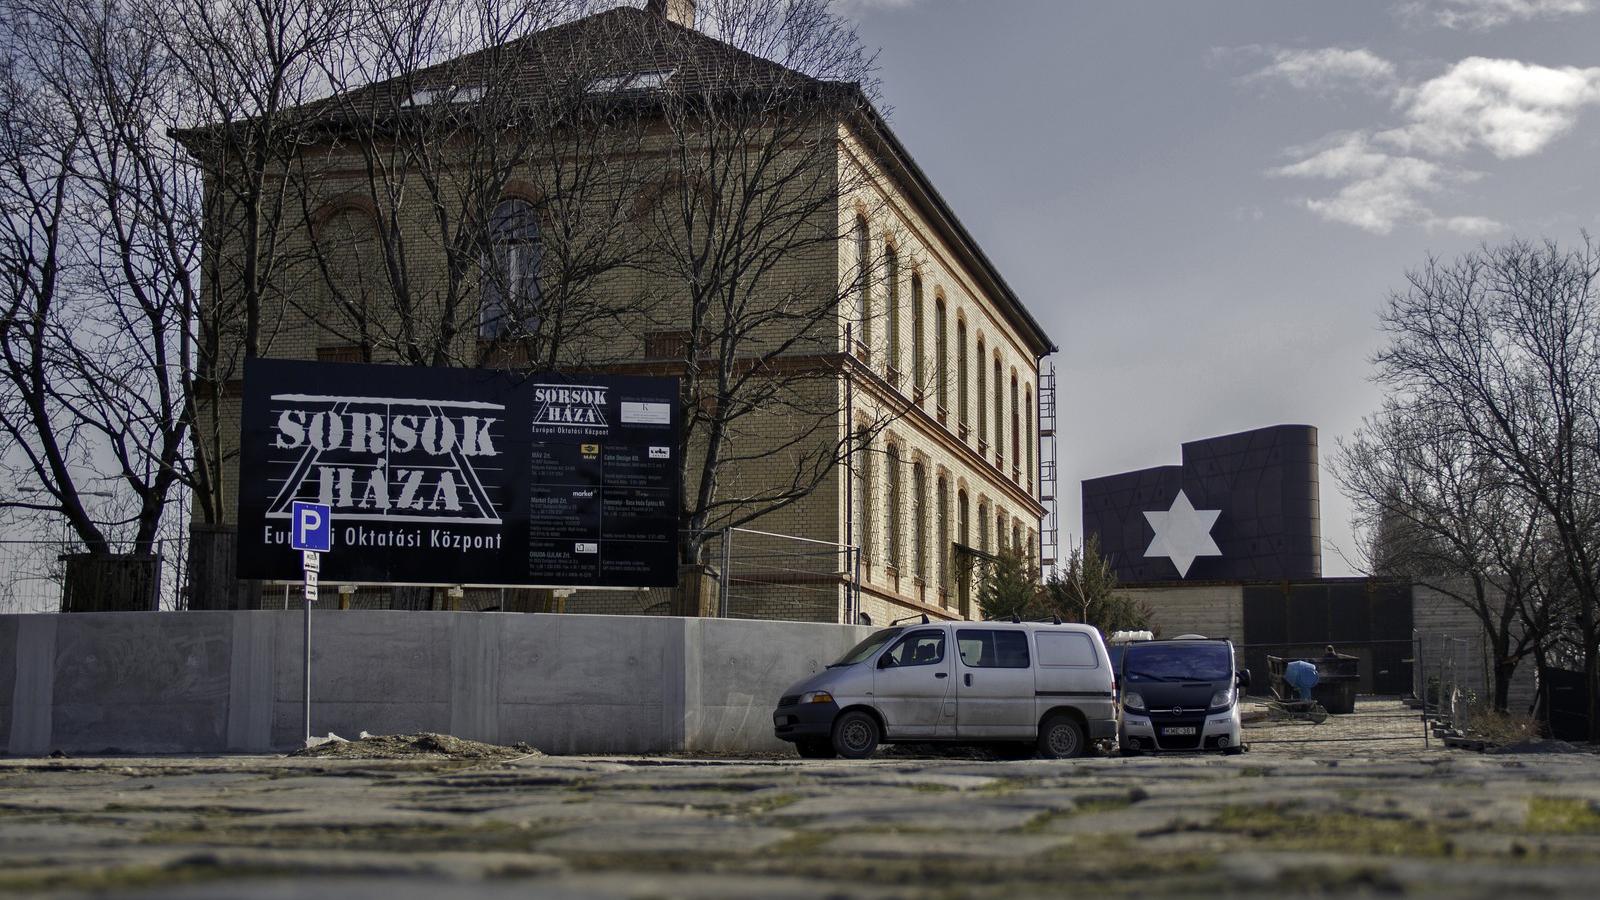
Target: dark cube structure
{"x":1263,"y":482}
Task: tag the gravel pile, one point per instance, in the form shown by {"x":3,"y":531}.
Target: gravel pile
{"x":426,"y":745}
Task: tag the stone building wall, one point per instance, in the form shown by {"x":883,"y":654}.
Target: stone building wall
{"x":1214,"y":610}
{"x":956,"y":459}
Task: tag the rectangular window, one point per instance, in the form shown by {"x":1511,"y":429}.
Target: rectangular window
{"x":666,"y":345}
{"x":919,"y":648}
{"x":345,"y":353}
{"x":1058,"y":648}
{"x":984,"y":648}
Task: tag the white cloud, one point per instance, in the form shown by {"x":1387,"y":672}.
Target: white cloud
{"x":1484,"y":14}
{"x":1510,"y":108}
{"x":1472,"y":226}
{"x":1507,"y":108}
{"x":1326,"y":69}
{"x":1381,"y":190}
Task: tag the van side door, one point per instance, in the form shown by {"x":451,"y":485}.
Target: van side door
{"x":1074,"y":671}
{"x":994,"y":684}
{"x":912,"y":681}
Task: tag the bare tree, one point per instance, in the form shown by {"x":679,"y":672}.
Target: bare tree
{"x":1446,"y":517}
{"x":744,"y":222}
{"x":247,"y":67}
{"x":98,"y":259}
{"x":492,"y":190}
{"x":1501,"y":350}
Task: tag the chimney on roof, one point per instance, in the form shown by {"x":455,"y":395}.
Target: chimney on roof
{"x":678,"y":12}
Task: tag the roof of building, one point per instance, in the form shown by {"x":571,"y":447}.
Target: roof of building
{"x":622,"y":55}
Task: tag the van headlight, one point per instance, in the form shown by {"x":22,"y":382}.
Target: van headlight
{"x":816,"y":697}
{"x":1133,"y":700}
{"x":1222,"y":698}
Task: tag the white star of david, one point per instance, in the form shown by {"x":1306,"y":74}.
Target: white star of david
{"x":1183,"y":533}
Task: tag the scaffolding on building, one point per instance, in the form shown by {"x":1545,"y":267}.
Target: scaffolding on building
{"x":1050,"y":531}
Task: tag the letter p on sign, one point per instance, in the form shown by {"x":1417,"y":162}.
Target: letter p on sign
{"x":312,"y":527}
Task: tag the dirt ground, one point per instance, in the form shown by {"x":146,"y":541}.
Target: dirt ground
{"x":1356,"y":806}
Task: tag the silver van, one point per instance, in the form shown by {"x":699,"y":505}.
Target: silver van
{"x":1046,"y":684}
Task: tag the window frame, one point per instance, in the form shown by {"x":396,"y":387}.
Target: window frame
{"x":1023,"y":644}
{"x":905,"y":639}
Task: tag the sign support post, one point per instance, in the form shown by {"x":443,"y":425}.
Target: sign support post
{"x":312,"y":535}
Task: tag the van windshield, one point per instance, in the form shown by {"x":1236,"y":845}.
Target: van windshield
{"x":864,"y":650}
{"x":1182,"y":661}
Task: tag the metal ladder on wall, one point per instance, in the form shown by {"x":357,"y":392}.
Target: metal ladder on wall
{"x":1050,"y":531}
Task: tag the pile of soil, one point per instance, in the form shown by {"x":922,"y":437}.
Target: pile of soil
{"x":426,"y":745}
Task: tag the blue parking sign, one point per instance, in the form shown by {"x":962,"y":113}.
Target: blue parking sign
{"x":312,"y":527}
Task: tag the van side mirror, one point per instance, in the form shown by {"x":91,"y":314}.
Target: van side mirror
{"x":1244,"y":678}
{"x":885,"y":661}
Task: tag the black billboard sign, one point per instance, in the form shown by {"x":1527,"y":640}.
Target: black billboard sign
{"x":461,"y":476}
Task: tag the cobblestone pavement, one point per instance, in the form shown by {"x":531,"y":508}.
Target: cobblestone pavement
{"x":1381,"y":814}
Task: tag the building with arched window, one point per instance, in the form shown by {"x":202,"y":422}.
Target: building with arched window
{"x":825,"y":432}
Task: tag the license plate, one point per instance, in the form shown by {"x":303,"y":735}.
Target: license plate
{"x":1182,"y":729}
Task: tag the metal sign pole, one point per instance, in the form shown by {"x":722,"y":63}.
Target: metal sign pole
{"x":307,"y":648}
{"x":313,"y":565}
{"x":312,"y":534}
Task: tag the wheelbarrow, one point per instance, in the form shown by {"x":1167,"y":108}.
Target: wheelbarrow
{"x":1292,"y":682}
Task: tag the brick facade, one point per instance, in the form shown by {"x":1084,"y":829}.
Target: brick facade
{"x":901,"y":500}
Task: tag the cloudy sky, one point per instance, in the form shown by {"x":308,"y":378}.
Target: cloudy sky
{"x":1206,"y":201}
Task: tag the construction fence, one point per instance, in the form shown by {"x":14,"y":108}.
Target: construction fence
{"x":751,"y":574}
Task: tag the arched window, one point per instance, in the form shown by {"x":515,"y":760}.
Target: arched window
{"x":963,"y":521}
{"x":941,"y":358}
{"x":891,"y":275}
{"x":511,"y":271}
{"x":865,"y":507}
{"x":891,"y":529}
{"x":1016,"y":429}
{"x":919,"y":375}
{"x":983,"y":526}
{"x":999,"y":413}
{"x":1029,"y":445}
{"x":961,"y":376}
{"x":864,"y":281}
{"x":941,"y":549}
{"x":919,"y":520}
{"x":983,"y":397}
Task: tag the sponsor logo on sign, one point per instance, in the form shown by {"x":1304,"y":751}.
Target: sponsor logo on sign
{"x":590,"y":451}
{"x":660,"y":453}
{"x":585,"y":547}
{"x":646,"y":413}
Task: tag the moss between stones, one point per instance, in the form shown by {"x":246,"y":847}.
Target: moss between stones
{"x":122,"y":878}
{"x":1562,"y":815}
{"x":1277,"y":828}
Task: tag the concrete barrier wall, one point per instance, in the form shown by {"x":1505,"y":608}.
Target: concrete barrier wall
{"x":1209,"y":609}
{"x":204,"y":682}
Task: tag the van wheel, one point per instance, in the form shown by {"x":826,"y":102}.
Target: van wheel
{"x":855,"y":735}
{"x":1061,"y":737}
{"x":817,"y":749}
